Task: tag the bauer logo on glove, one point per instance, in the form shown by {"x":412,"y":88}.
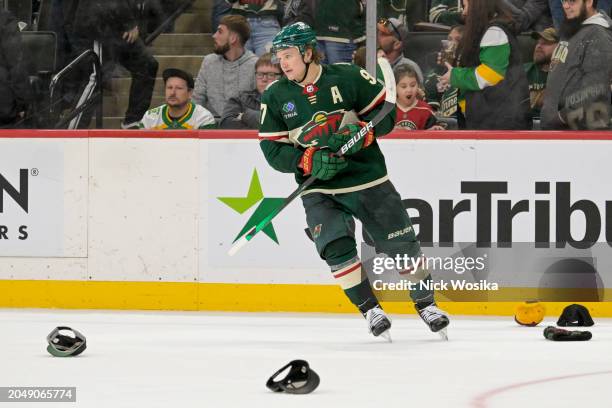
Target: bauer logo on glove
{"x":355,"y":137}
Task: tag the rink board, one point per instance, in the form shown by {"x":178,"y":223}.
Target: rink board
{"x":143,"y":220}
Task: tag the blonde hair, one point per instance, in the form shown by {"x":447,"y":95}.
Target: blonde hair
{"x":266,"y":59}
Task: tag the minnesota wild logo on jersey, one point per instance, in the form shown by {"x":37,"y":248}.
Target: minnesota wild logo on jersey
{"x":321,"y":126}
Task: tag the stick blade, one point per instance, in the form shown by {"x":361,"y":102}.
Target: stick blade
{"x":239,"y":243}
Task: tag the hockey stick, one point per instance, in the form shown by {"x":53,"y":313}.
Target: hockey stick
{"x":388,"y":106}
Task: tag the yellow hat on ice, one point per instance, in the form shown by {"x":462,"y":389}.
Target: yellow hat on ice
{"x":529,"y":313}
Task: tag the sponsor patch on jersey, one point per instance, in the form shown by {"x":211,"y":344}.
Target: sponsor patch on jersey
{"x":319,"y":128}
{"x":289,"y":110}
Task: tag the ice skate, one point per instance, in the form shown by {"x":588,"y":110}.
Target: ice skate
{"x":379,"y":323}
{"x":436,"y":319}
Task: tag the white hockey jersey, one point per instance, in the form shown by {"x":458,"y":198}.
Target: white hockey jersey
{"x":197,"y":117}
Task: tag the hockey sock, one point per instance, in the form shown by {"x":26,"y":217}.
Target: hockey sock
{"x":353,"y":281}
{"x":367,"y":305}
{"x":422,"y":296}
{"x":362,"y":296}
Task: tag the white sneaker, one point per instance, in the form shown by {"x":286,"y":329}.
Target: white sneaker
{"x":132,"y":125}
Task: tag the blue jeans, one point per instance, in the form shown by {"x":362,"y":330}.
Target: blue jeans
{"x":220,"y":8}
{"x":336,"y":52}
{"x":605,"y":5}
{"x":556,"y":9}
{"x":263,"y":30}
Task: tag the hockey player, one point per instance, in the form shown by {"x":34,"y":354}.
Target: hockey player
{"x":306,"y":117}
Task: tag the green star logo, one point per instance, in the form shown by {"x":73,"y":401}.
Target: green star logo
{"x":255,"y":195}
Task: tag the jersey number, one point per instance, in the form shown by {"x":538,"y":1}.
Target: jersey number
{"x":366,"y":75}
{"x":264,"y":109}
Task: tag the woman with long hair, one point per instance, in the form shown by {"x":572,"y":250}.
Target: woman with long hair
{"x":493,"y":87}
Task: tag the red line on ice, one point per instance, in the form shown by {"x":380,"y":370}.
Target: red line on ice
{"x":480,"y":401}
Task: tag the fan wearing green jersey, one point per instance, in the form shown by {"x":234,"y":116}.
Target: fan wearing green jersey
{"x":179,"y":112}
{"x":493,"y":87}
{"x":306,"y":117}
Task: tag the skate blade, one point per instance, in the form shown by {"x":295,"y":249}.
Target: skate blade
{"x":386,"y":335}
{"x":443,"y":334}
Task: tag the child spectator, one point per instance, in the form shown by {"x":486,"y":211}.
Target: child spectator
{"x":412,"y":112}
{"x":242,"y":111}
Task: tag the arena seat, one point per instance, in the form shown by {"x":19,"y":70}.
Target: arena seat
{"x":39,"y":51}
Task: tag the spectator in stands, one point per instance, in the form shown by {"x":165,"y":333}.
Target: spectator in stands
{"x":153,"y":13}
{"x":359,"y":56}
{"x":112,"y":24}
{"x":409,"y":12}
{"x":179,"y":112}
{"x":537,"y":70}
{"x":556,"y":8}
{"x":578,"y":90}
{"x":242,"y":111}
{"x":299,"y":10}
{"x":168,"y":8}
{"x":229,"y":70}
{"x":530,"y":15}
{"x":220,"y":9}
{"x":340,"y":28}
{"x":14,"y":86}
{"x":264,"y":18}
{"x":444,"y":102}
{"x":391,"y":35}
{"x":412,"y":112}
{"x":493,"y":89}
{"x":447,"y":12}
{"x":61,"y":21}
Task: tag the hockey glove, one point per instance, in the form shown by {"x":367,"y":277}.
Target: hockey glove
{"x":556,"y":334}
{"x":345,"y":133}
{"x":321,"y":163}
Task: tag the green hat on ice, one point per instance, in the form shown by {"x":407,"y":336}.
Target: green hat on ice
{"x":298,"y":35}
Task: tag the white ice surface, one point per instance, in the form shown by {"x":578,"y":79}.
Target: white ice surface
{"x":165,"y":359}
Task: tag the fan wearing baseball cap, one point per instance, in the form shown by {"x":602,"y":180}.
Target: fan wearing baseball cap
{"x":179,"y":111}
{"x":391,"y":36}
{"x":537,"y":69}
